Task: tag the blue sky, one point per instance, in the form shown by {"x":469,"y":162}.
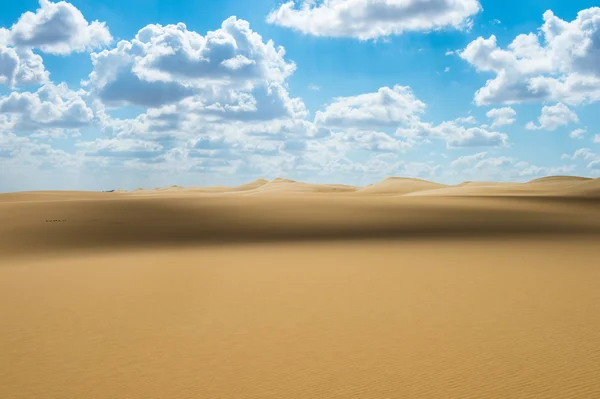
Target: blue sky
{"x":147,"y":93}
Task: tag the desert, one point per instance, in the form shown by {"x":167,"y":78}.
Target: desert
{"x":299,"y":199}
{"x":283,"y":289}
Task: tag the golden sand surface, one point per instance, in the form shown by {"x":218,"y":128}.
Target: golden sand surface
{"x":282,"y":289}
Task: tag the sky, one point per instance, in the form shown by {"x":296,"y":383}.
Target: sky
{"x":121,"y":94}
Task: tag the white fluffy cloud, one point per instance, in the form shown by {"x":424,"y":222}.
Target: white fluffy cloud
{"x":398,"y":108}
{"x":565,"y":68}
{"x":577,"y":133}
{"x":11,"y":145}
{"x":480,"y":166}
{"x":386,"y":107}
{"x":50,"y":107}
{"x":127,"y":148}
{"x":21,"y":67}
{"x":456,"y":133}
{"x":369,"y":140}
{"x":17,"y":153}
{"x":554,"y":116}
{"x":230,"y":73}
{"x":371,"y":19}
{"x":501,"y":116}
{"x":56,"y":28}
{"x":587,"y":155}
{"x":467,"y":160}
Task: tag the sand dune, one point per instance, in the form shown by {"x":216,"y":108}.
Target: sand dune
{"x":399,"y":186}
{"x":252,"y":185}
{"x":588,"y":189}
{"x":561,"y":179}
{"x":59,"y":195}
{"x":283,"y":289}
{"x":564,"y":186}
{"x":549,"y":186}
{"x":290,"y":187}
{"x":483,"y":184}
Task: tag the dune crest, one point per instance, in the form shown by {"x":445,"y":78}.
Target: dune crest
{"x":252,"y":185}
{"x":282,"y":180}
{"x":399,"y":186}
{"x":550,"y":186}
{"x":279,"y":187}
{"x":559,"y":179}
{"x":483,"y":184}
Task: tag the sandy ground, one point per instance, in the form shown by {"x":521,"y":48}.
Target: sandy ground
{"x":280,"y":289}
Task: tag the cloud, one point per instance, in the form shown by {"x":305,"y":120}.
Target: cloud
{"x":313,"y":87}
{"x":373,"y":141}
{"x":467,"y":160}
{"x":11,"y":145}
{"x":57,"y":28}
{"x":455,"y":133}
{"x":387,"y":107}
{"x":501,"y":116}
{"x":50,"y":107}
{"x":577,"y":133}
{"x":482,"y":167}
{"x":398,"y":108}
{"x":553,"y":117}
{"x":368,"y":19}
{"x":565,"y":68}
{"x":22,"y":157}
{"x":229,"y":72}
{"x":127,"y":148}
{"x":21,"y":67}
{"x":597,"y":138}
{"x":587,"y":155}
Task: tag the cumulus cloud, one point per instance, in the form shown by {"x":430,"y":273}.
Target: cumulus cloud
{"x":50,"y":107}
{"x":21,"y":67}
{"x":467,"y":160}
{"x":230,"y":72}
{"x":480,"y":166}
{"x":456,"y":133}
{"x":563,"y":68}
{"x":368,"y":19}
{"x":501,"y":116}
{"x":398,"y":108}
{"x":597,"y":138}
{"x":369,"y":140}
{"x":22,"y":156}
{"x":385,"y":107}
{"x":553,"y":117}
{"x":587,"y":155}
{"x":12,"y":145}
{"x":286,"y":128}
{"x":577,"y":133}
{"x":57,"y":28}
{"x":127,"y":148}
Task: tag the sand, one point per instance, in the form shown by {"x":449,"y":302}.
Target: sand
{"x":303,"y":291}
{"x":399,"y":186}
